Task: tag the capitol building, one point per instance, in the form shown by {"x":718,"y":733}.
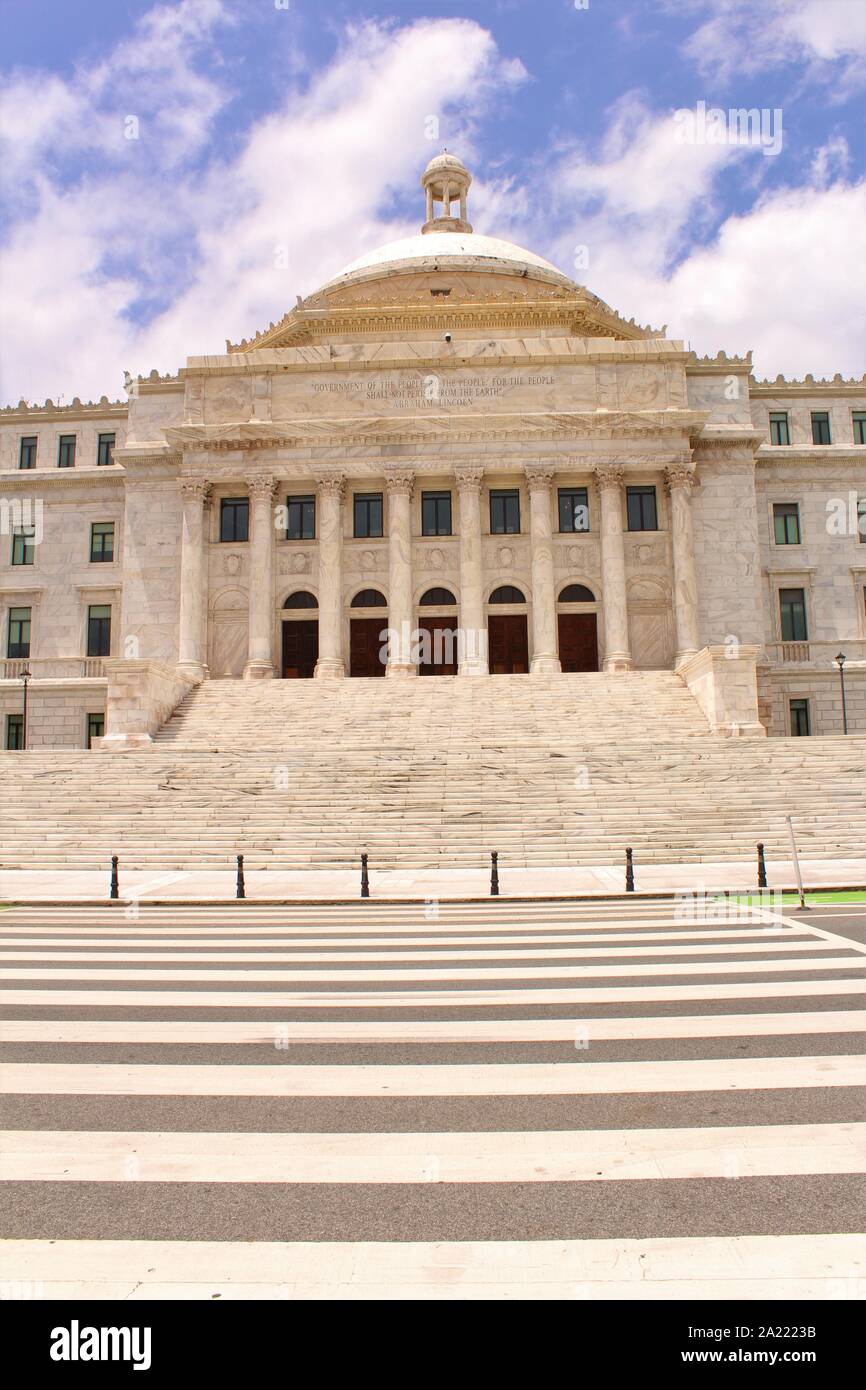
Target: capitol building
{"x":449,"y":461}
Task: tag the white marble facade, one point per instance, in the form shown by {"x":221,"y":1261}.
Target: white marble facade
{"x":454,"y":364}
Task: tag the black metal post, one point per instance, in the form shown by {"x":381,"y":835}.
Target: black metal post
{"x":629,"y":872}
{"x":115,"y":887}
{"x":241,"y":888}
{"x":840,"y":662}
{"x":494,"y":874}
{"x":762,"y":868}
{"x":25,"y":676}
{"x":365,"y":878}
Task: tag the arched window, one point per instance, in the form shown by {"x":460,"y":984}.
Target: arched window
{"x":301,"y":599}
{"x":506,"y":593}
{"x":369,"y":598}
{"x":440,"y":598}
{"x":576,"y":593}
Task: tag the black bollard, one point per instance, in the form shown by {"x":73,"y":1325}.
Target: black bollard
{"x":365,"y":878}
{"x":241,"y":888}
{"x":494,"y":874}
{"x":762,"y":868}
{"x":629,"y":872}
{"x":115,"y":887}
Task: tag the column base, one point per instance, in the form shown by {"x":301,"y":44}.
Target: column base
{"x":545,"y":666}
{"x":619,"y":661}
{"x":329,"y":668}
{"x":259,"y":670}
{"x":473,"y":666}
{"x":193,"y":670}
{"x":122,"y":743}
{"x":401,"y":670}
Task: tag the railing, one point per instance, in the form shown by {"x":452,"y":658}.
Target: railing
{"x":55,"y":668}
{"x":816,"y":653}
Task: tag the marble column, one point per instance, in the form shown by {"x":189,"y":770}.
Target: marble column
{"x":617,"y":654}
{"x":330,"y":527}
{"x":472,"y":637}
{"x":260,"y":661}
{"x":545,"y":657}
{"x":679,"y":480}
{"x":192,"y":658}
{"x":400,"y":608}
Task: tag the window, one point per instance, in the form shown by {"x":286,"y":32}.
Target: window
{"x":576,"y":593}
{"x":438,"y":598}
{"x":368,"y":514}
{"x":820,"y":427}
{"x":105,"y":450}
{"x":505,"y":512}
{"x":792,"y":609}
{"x":14,"y":732}
{"x":23,"y":545}
{"x":66,"y":451}
{"x":99,"y":629}
{"x":235,"y":519}
{"x":301,"y":525}
{"x":800,"y":727}
{"x":642,"y":511}
{"x":786,"y":523}
{"x":507,"y":593}
{"x":369,"y":598}
{"x":573,"y":509}
{"x":18,"y":640}
{"x":102,"y":542}
{"x":27,"y":452}
{"x":435,"y":513}
{"x":859,"y":419}
{"x":779,"y":431}
{"x":301,"y":598}
{"x":95,"y":728}
{"x":861,"y":518}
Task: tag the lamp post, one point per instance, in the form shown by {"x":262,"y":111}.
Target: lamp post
{"x":26,"y":677}
{"x":840,"y":662}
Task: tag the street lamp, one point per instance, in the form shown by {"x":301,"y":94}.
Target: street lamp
{"x":26,"y":676}
{"x":840,"y":662}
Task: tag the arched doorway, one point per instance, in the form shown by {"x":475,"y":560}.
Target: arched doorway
{"x":507,"y":632}
{"x":437,"y":628}
{"x":366,"y":626}
{"x":577,"y":624}
{"x":229,"y":635}
{"x":300,"y":636}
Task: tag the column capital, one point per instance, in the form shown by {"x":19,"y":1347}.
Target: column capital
{"x":680,"y":475}
{"x":196,"y":489}
{"x":609,"y":476}
{"x":469,"y":477}
{"x":400,"y":482}
{"x":539,"y":475}
{"x":331,"y":483}
{"x":262,"y":487}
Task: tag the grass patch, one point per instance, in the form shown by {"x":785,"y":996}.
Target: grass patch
{"x":854,"y":895}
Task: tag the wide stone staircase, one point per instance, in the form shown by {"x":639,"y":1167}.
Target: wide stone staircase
{"x":437,"y":772}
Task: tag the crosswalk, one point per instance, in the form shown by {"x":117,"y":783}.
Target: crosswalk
{"x":494,"y":1100}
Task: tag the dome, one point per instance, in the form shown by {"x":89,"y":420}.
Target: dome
{"x":446,"y":161}
{"x":449,"y":251}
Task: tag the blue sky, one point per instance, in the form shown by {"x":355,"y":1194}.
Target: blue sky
{"x":273,"y":142}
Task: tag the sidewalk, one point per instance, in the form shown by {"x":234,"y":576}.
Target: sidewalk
{"x":341,"y":885}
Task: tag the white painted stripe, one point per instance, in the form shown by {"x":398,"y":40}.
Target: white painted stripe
{"x":730,"y":1267}
{"x":422,"y":999}
{"x":286,"y":940}
{"x":487,"y":1157}
{"x":268,"y":1032}
{"x":515,"y":1079}
{"x":538,"y":972}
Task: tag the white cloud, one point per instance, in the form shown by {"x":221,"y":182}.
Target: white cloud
{"x":743,"y":38}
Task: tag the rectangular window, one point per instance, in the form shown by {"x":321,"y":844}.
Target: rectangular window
{"x":505,"y":512}
{"x":820,"y":427}
{"x":642,"y":510}
{"x":573,"y":509}
{"x":27,"y":452}
{"x":779,"y":431}
{"x":435,"y":513}
{"x":859,"y":420}
{"x":800,"y":726}
{"x":66,"y":451}
{"x":99,"y":629}
{"x":792,"y":609}
{"x":23,"y":545}
{"x":14,"y":732}
{"x":105,"y":450}
{"x":301,"y":524}
{"x":18,"y":641}
{"x":367,"y":515}
{"x":95,"y":728}
{"x":861,"y":518}
{"x":101,"y":542}
{"x":786,"y":523}
{"x":235,"y":519}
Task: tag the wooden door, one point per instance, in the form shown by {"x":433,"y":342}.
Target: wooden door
{"x":508,"y":643}
{"x":439,"y":642}
{"x":578,"y":641}
{"x":365,"y":644}
{"x":300,"y":648}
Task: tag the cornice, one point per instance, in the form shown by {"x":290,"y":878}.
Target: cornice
{"x":24,"y":479}
{"x":796,"y":453}
{"x":808,"y":386}
{"x":103,"y":409}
